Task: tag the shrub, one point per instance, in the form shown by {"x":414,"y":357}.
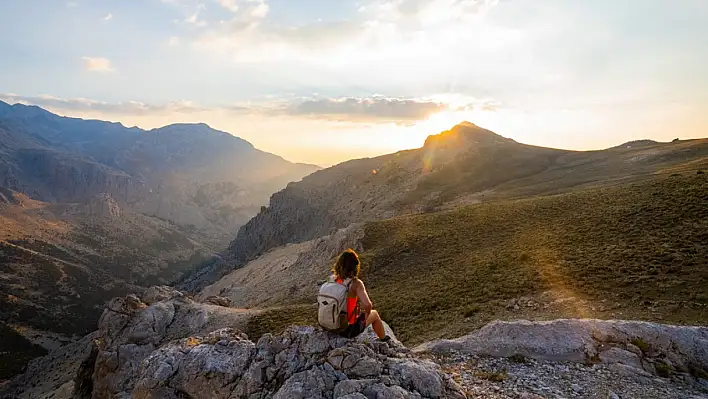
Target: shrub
{"x":521,"y":359}
{"x":471,"y":311}
{"x":663,"y":370}
{"x":493,"y":376}
{"x":641,"y":344}
{"x":698,"y":372}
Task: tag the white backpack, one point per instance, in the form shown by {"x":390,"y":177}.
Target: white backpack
{"x":332,"y":305}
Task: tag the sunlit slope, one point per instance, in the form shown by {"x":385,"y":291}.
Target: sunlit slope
{"x":629,"y":251}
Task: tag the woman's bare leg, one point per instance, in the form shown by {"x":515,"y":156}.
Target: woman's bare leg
{"x":375,"y":321}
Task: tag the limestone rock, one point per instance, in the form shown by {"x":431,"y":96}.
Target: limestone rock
{"x":160,"y":293}
{"x":578,"y":340}
{"x":617,"y":355}
{"x":218,"y":301}
{"x":103,"y":205}
{"x":303,"y":362}
{"x":175,"y":347}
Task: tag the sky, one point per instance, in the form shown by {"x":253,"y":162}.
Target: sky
{"x":323,"y":81}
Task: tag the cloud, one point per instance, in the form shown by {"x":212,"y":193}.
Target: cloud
{"x":97,"y":64}
{"x":421,"y":14}
{"x":372,"y":109}
{"x":173,"y":41}
{"x":72,"y":4}
{"x":383,"y":31}
{"x":229,"y":5}
{"x":120,"y":108}
{"x":194,"y":20}
{"x":108,"y":17}
{"x":367,"y":109}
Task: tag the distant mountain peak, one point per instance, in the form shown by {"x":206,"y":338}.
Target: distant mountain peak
{"x":466,"y":124}
{"x":187,"y":127}
{"x":22,"y":110}
{"x":464,"y":134}
{"x":200,"y":125}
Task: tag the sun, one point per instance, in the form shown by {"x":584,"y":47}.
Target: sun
{"x":393,"y":138}
{"x":443,"y":121}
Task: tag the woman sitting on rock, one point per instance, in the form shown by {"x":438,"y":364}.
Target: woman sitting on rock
{"x":359,"y":309}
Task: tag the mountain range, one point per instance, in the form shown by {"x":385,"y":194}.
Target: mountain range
{"x":461,"y":166}
{"x":189,"y":174}
{"x":92,"y":209}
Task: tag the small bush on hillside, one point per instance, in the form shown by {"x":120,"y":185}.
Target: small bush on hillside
{"x":594,"y":359}
{"x":663,"y":370}
{"x":493,"y":376}
{"x":471,"y":311}
{"x":520,"y":359}
{"x":698,"y":372}
{"x":641,"y":344}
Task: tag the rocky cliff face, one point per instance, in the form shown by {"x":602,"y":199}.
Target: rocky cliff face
{"x":359,"y":190}
{"x":50,"y":176}
{"x":103,"y":206}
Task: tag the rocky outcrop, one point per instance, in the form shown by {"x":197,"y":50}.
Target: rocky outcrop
{"x":175,"y":347}
{"x":103,"y":206}
{"x":218,"y":301}
{"x":656,"y":348}
{"x":139,"y":355}
{"x":300,"y":363}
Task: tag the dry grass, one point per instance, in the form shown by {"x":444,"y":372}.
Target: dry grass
{"x":640,"y":245}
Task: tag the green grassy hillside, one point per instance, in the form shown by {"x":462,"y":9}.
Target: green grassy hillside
{"x":631,"y":251}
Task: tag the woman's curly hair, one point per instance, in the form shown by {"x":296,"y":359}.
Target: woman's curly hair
{"x":347,"y":265}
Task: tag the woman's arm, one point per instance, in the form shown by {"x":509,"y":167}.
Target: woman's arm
{"x":364,"y":299}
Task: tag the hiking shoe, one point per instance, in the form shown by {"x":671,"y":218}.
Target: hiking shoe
{"x":386,"y":339}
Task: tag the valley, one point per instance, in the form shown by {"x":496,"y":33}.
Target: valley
{"x":90,"y":210}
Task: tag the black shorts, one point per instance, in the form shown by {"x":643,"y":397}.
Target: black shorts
{"x":355,"y":329}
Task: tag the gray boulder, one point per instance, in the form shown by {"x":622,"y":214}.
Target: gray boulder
{"x":582,"y":340}
{"x":303,"y":362}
